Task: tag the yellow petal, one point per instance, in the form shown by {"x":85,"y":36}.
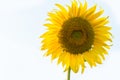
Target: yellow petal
{"x":56,"y":53}
{"x":55,"y":21}
{"x":55,"y":17}
{"x":96,"y":15}
{"x":61,"y":8}
{"x":73,"y":63}
{"x":84,"y":8}
{"x":90,"y":11}
{"x":89,"y":59}
{"x":83,"y":69}
{"x":96,"y":58}
{"x":100,"y":21}
{"x":79,"y":9}
{"x":74,"y":8}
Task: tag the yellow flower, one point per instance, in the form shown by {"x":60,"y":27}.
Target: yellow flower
{"x":76,"y":34}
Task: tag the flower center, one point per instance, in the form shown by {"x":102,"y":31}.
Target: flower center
{"x":76,"y":35}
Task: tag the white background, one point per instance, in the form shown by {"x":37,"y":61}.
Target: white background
{"x":21,"y":24}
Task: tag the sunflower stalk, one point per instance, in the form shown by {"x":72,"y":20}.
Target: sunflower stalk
{"x":68,"y":76}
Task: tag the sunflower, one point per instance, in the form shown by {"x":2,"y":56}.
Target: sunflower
{"x":77,"y":35}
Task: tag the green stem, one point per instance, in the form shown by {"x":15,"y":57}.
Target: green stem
{"x":68,"y":76}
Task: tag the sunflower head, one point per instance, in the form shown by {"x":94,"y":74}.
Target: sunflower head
{"x":76,"y":34}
